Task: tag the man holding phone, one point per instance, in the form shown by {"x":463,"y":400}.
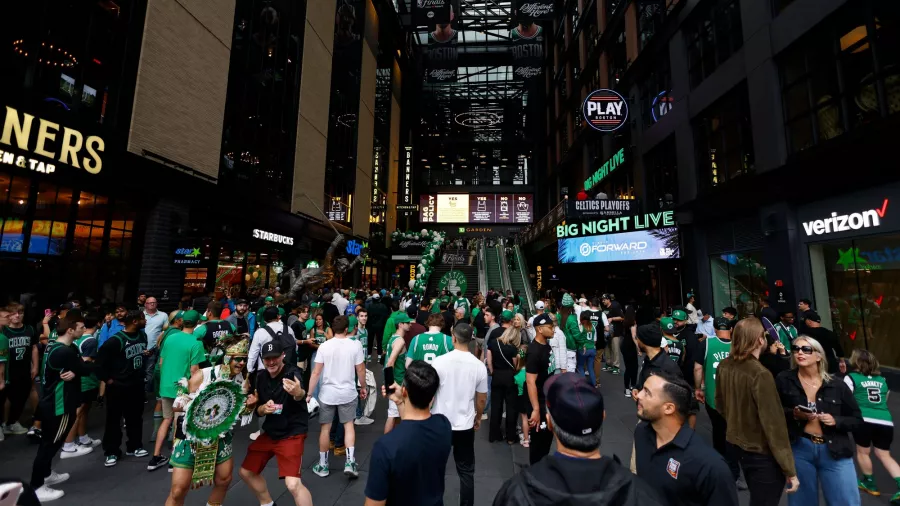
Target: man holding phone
{"x":282,"y":401}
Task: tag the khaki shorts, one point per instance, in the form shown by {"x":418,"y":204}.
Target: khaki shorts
{"x":168,"y":412}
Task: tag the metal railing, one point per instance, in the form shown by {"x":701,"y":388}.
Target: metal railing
{"x":523,"y":271}
{"x":482,"y":268}
{"x":504,"y":268}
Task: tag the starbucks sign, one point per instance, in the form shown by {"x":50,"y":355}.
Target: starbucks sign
{"x":453,"y":281}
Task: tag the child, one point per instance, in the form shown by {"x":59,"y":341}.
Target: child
{"x":524,"y":402}
{"x":871,"y":392}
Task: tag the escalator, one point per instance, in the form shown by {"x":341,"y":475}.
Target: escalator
{"x":518,"y":277}
{"x":494,"y":273}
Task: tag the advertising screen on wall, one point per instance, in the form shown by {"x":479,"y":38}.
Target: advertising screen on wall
{"x":501,"y":208}
{"x":656,"y":244}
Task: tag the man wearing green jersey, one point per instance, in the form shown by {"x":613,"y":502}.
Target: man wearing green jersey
{"x":430,"y":345}
{"x":674,"y":346}
{"x":462,"y":302}
{"x":710,"y":353}
{"x":395,"y":350}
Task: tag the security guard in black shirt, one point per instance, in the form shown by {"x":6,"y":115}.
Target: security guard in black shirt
{"x":670,"y":456}
{"x":655,"y":357}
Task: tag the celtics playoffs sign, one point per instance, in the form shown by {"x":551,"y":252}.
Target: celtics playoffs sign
{"x":605,"y":110}
{"x":453,"y":281}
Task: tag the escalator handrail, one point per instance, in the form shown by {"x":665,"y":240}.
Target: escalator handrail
{"x":482,"y":268}
{"x":504,"y":268}
{"x":523,"y":268}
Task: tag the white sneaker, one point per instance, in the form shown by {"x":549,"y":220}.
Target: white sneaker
{"x":363,"y":420}
{"x":77,"y":451}
{"x":627,"y":392}
{"x":484,"y":416}
{"x":55,"y":478}
{"x":254,"y":435}
{"x":93,"y":443}
{"x":15,"y":429}
{"x":47,"y":494}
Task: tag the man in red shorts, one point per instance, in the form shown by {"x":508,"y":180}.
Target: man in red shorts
{"x":283,"y":402}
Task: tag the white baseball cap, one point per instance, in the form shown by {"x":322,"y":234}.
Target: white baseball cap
{"x":539,"y":304}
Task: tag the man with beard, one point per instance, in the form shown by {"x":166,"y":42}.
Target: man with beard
{"x":234,"y":369}
{"x":666,"y":448}
{"x":120,"y":363}
{"x":242,"y":319}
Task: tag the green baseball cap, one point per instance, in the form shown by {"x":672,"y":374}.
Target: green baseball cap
{"x":270,"y":299}
{"x":190,"y":316}
{"x":178,"y":315}
{"x":401,"y":318}
{"x":507,"y":315}
{"x":667,"y":325}
{"x":679,"y":315}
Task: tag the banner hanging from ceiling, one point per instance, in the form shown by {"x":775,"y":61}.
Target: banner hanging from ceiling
{"x":530,"y":10}
{"x":432,"y":12}
{"x":441,"y":62}
{"x":527,"y":41}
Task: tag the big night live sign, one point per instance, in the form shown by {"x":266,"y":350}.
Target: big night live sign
{"x":605,"y":110}
{"x":606,"y":169}
{"x":614,"y":225}
{"x":69,"y":146}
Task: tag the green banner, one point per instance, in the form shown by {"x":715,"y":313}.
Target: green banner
{"x":454,"y":281}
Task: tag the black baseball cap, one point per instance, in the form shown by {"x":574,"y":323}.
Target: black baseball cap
{"x":240,"y":301}
{"x":650,"y":334}
{"x":813,"y":316}
{"x":542,"y":319}
{"x":270,"y":350}
{"x":722,"y":323}
{"x":575,"y":405}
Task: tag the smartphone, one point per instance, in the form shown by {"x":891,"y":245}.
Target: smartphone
{"x":9,"y":493}
{"x":48,"y":312}
{"x":278,"y":409}
{"x":389,"y":380}
{"x":806,"y":409}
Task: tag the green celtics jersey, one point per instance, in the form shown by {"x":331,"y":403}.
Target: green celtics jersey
{"x":19,"y":343}
{"x":87,"y":347}
{"x":400,"y":364}
{"x":428,"y":346}
{"x":675,"y":349}
{"x":362,"y":335}
{"x":463,"y":303}
{"x":871,"y":393}
{"x":787,"y":334}
{"x":716,"y":351}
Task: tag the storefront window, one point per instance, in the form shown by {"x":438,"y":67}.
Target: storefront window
{"x":713,"y":38}
{"x":739,"y":281}
{"x":857,"y":293}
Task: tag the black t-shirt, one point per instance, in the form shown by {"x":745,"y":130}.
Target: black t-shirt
{"x":294,"y":418}
{"x":407,"y":465}
{"x":615,"y":311}
{"x":304,"y":351}
{"x":661,"y":362}
{"x":492,"y":335}
{"x":61,"y":397}
{"x":121,"y":358}
{"x":502,"y":356}
{"x":449,"y":320}
{"x":537,"y":361}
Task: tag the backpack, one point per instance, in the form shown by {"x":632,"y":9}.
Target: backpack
{"x":287,"y":342}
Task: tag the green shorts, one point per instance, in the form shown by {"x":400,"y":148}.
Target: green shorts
{"x":183,"y":452}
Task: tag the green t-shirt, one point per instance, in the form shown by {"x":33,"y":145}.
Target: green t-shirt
{"x":871,"y":393}
{"x":400,"y":364}
{"x":389,"y":328}
{"x":716,"y":351}
{"x":309,"y":324}
{"x":475,"y":312}
{"x":86,"y":347}
{"x":519,"y":378}
{"x":181,"y":351}
{"x":427,"y":346}
{"x":464,"y":303}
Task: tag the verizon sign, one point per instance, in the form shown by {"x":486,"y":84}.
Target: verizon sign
{"x":835,"y":223}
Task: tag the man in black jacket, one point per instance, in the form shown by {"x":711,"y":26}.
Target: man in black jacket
{"x":577,"y":472}
{"x":828,"y":339}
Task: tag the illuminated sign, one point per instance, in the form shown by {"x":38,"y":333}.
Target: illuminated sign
{"x":615,"y":225}
{"x":376,"y":174}
{"x":478,"y":119}
{"x":312,"y":264}
{"x":606,"y":169}
{"x":412,"y":272}
{"x":656,"y":244}
{"x":406,"y":182}
{"x":592,"y":209}
{"x":661,"y":105}
{"x":846,"y":222}
{"x":338,"y":210}
{"x":16,"y":133}
{"x":187,"y":256}
{"x":269,"y":236}
{"x":465,"y":208}
{"x":355,"y":247}
{"x":605,"y":110}
{"x":540,"y":278}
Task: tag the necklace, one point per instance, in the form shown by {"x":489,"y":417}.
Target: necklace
{"x":807,"y":383}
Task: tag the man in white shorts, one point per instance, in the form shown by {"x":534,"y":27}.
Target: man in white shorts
{"x":340,"y":364}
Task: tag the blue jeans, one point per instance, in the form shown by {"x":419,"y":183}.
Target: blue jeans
{"x":585,"y":360}
{"x":815,"y":466}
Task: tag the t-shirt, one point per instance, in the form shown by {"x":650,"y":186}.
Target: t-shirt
{"x":429,"y":346}
{"x":87,"y":348}
{"x":871,"y":393}
{"x":294,"y":417}
{"x":615,"y":311}
{"x":462,"y":375}
{"x":539,"y":360}
{"x":18,"y":343}
{"x":179,"y":352}
{"x":339,"y":358}
{"x":407,"y":464}
{"x":502,"y":356}
{"x":121,"y":358}
{"x":154,"y":327}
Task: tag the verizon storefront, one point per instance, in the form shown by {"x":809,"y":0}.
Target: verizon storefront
{"x":854,"y":259}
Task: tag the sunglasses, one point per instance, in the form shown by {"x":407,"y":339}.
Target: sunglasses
{"x":808,"y":350}
{"x":239,"y":359}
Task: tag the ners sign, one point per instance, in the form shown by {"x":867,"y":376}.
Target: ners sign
{"x":605,"y":110}
{"x":68,"y":146}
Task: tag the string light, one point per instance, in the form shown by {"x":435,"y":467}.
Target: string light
{"x":51,"y":55}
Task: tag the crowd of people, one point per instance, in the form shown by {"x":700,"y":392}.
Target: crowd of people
{"x":782,"y":400}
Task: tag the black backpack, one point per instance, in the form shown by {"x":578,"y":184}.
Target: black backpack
{"x":287,"y":343}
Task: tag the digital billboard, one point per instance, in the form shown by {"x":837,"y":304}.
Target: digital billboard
{"x":463,"y":208}
{"x":656,"y":244}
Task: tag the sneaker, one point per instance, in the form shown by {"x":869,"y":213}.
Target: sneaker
{"x":111,"y":460}
{"x":55,"y":478}
{"x":869,"y":487}
{"x":628,"y":392}
{"x":363,"y":420}
{"x":156,"y":462}
{"x":615,"y":370}
{"x":47,"y":494}
{"x":76,"y":451}
{"x":140,"y":452}
{"x":254,"y":435}
{"x":896,"y":499}
{"x":484,"y":416}
{"x":604,"y":368}
{"x":171,"y":468}
{"x":34,"y":433}
{"x":340,"y":450}
{"x":92,"y":443}
{"x":321,"y":470}
{"x":15,"y":429}
{"x":351,"y":470}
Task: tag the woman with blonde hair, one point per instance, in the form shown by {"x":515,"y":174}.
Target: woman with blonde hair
{"x":870,"y":390}
{"x":747,"y":398}
{"x":502,"y":361}
{"x":821,"y":414}
{"x":521,"y":325}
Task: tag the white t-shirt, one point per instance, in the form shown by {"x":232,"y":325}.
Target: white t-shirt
{"x":261,"y":337}
{"x":462,"y":375}
{"x":691,"y":311}
{"x":339,"y":357}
